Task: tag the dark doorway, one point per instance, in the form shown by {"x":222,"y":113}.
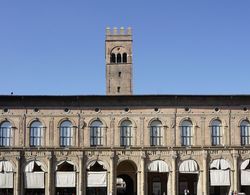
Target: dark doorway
{"x":126,"y":188}
{"x":245,"y":189}
{"x":34,"y":192}
{"x":65,"y":191}
{"x":219,"y":190}
{"x":97,"y":191}
{"x":6,"y":191}
{"x":188,"y":181}
{"x":157,"y":183}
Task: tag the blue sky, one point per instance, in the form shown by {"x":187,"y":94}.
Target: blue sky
{"x":180,"y":46}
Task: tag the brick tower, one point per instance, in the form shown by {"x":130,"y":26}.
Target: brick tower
{"x":118,"y":55}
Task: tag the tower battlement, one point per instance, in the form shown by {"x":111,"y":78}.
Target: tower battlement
{"x":118,"y":31}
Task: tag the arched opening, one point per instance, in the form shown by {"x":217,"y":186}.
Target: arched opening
{"x":124,"y":57}
{"x":96,"y":178}
{"x":6,"y":178}
{"x":157,"y":177}
{"x":126,"y":178}
{"x":34,"y":181}
{"x":219,"y":177}
{"x":112,"y":58}
{"x":65,"y":178}
{"x":245,"y":176}
{"x":119,"y":58}
{"x":188,"y":177}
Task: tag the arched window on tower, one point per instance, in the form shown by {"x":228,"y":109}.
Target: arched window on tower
{"x":112,"y":58}
{"x":119,"y":58}
{"x":124,"y":57}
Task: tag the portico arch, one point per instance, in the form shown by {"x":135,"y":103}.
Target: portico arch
{"x":126,"y":178}
{"x":188,"y":177}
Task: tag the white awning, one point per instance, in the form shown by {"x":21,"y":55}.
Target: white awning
{"x":34,"y":180}
{"x":220,"y":164}
{"x":220,"y":177}
{"x":6,"y":180}
{"x":245,"y":173}
{"x":30,"y":166}
{"x":244,"y":164}
{"x":188,"y":166}
{"x":65,"y":179}
{"x":245,"y":177}
{"x":97,"y":179}
{"x":158,"y":166}
{"x":6,"y":166}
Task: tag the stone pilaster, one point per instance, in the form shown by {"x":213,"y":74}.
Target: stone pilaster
{"x":112,"y":177}
{"x":236,"y":171}
{"x":17,"y":178}
{"x":205,"y":174}
{"x":50,"y":180}
{"x":80,"y":182}
{"x":174,"y":175}
{"x":142,"y":184}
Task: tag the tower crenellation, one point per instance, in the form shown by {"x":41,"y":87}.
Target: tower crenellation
{"x":118,"y":31}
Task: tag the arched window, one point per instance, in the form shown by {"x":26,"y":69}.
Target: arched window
{"x":112,"y":58}
{"x":245,"y":132}
{"x":124,"y":57}
{"x":216,"y":132}
{"x":119,"y":58}
{"x":5,"y":134}
{"x":156,"y":133}
{"x":126,"y":133}
{"x":186,"y":133}
{"x":96,"y":133}
{"x":66,"y":133}
{"x":36,"y":133}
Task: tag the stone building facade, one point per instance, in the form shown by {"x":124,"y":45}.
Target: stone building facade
{"x":122,"y":143}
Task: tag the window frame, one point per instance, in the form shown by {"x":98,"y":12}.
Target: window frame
{"x":245,"y":137}
{"x":156,"y":134}
{"x":66,"y":134}
{"x":36,"y":134}
{"x":186,"y":133}
{"x":96,"y":134}
{"x":6,"y":134}
{"x":216,"y":133}
{"x":126,"y":133}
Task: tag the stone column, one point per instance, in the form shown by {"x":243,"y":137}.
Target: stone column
{"x":236,"y":171}
{"x":50,"y":180}
{"x":138,"y":182}
{"x":112,"y":178}
{"x":205,"y":174}
{"x":80,"y":182}
{"x":174,"y":175}
{"x":84,"y":174}
{"x":17,"y":178}
{"x":142,"y":184}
